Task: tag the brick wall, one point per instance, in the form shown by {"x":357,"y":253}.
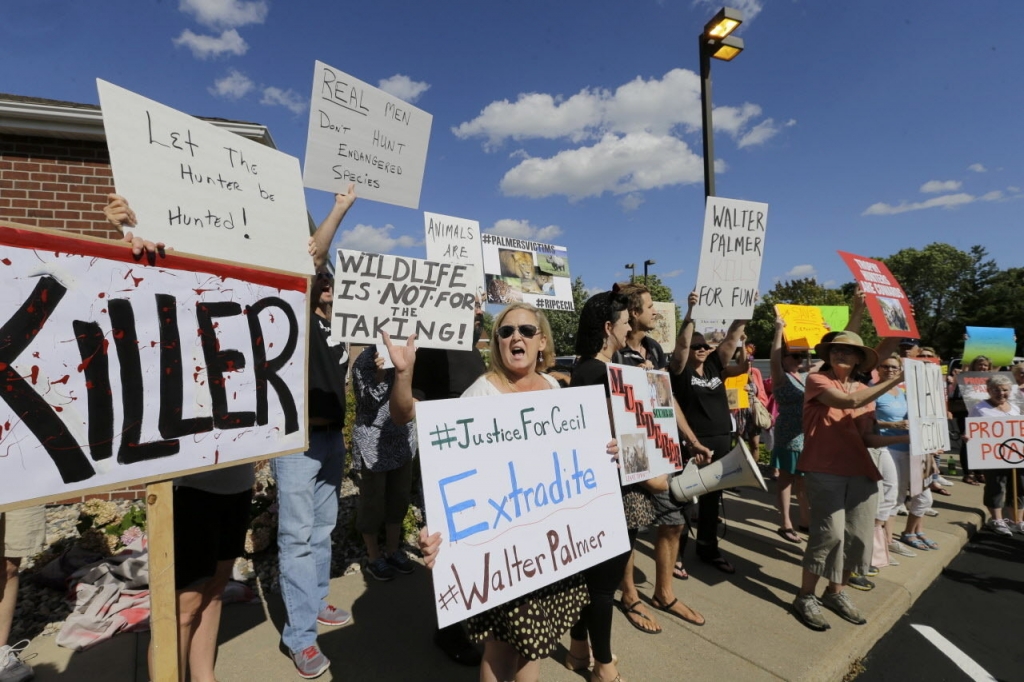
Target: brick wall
{"x":62,"y":184}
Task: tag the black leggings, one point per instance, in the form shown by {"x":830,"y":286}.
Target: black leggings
{"x":596,"y":617}
{"x":707,"y":504}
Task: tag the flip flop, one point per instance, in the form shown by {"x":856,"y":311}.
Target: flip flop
{"x":667,"y":608}
{"x":789,"y":535}
{"x":630,"y":611}
{"x":969,"y":480}
{"x":679,"y":571}
{"x":941,"y":491}
{"x":915,"y":542}
{"x":720,"y":563}
{"x":930,"y":543}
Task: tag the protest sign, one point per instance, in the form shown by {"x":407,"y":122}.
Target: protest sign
{"x":529,"y":271}
{"x":644,"y":415}
{"x":455,"y":240}
{"x":402,"y":296}
{"x":358,"y":133}
{"x":730,"y":258}
{"x":997,"y":344}
{"x":664,"y":331}
{"x":714,"y":331}
{"x":973,"y":389}
{"x":836,"y":316}
{"x":202,"y":189}
{"x":736,"y":391}
{"x":995,"y":442}
{"x":804,"y":325}
{"x":522,"y":491}
{"x":888,"y":305}
{"x":926,"y":403}
{"x":118,"y":372}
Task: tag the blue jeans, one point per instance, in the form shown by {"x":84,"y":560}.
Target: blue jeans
{"x":307,"y":495}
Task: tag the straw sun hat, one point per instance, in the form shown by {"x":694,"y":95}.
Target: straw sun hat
{"x":845,"y":338}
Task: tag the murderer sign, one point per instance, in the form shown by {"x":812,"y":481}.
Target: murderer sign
{"x":359,"y":133}
{"x":644,"y":415}
{"x":193,"y":183}
{"x":730,"y":259}
{"x":118,"y":372}
{"x":522,"y":491}
{"x":402,"y":296}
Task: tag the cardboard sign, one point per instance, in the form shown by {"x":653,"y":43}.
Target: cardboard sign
{"x":836,"y":316}
{"x":524,"y":270}
{"x":714,"y":331}
{"x":926,"y":402}
{"x":522,"y":490}
{"x":736,"y":391}
{"x":997,"y":344}
{"x":995,"y":442}
{"x":455,"y":240}
{"x":888,"y":305}
{"x":664,"y":331}
{"x":358,"y":133}
{"x":644,"y":415}
{"x":202,"y":189}
{"x":117,"y":372}
{"x":730,"y":258}
{"x":804,"y":325}
{"x":973,"y":389}
{"x":402,"y":296}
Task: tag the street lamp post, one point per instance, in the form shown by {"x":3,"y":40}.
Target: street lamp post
{"x":715,"y":41}
{"x":632,"y":270}
{"x":647,"y":263}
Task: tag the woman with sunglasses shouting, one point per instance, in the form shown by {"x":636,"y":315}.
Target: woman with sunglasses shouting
{"x":521,"y":348}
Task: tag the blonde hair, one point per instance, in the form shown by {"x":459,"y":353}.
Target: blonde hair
{"x":547,"y":356}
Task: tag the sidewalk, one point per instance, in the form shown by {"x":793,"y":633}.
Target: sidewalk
{"x":750,"y":633}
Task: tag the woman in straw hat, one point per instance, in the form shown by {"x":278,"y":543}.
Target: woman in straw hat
{"x":840,"y":477}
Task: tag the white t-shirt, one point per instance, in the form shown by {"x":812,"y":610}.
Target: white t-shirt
{"x":483,"y":386}
{"x":983,"y":408}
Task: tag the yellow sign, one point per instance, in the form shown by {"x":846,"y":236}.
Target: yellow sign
{"x":736,"y":389}
{"x":804,"y":325}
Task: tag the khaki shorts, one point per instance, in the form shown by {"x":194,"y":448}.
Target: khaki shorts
{"x":842,"y":524}
{"x":23,"y":531}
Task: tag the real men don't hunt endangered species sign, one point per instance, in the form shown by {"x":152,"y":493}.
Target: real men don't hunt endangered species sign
{"x":196,"y":186}
{"x":522,"y":490}
{"x":376,"y":293}
{"x":730,"y":259}
{"x":118,"y":372}
{"x":358,"y":133}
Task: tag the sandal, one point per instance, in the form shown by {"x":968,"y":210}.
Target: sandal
{"x":640,"y":618}
{"x":930,"y":543}
{"x":914,"y":541}
{"x":667,"y":608}
{"x":941,"y":491}
{"x":579,"y":663}
{"x":719,"y":562}
{"x":789,"y":535}
{"x":679,"y":571}
{"x":970,"y":480}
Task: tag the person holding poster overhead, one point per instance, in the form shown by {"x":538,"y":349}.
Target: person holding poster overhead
{"x":515,"y":634}
{"x":997,"y":481}
{"x":789,"y":376}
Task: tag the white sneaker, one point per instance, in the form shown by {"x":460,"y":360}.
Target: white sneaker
{"x":12,"y":668}
{"x":897,"y":547}
{"x":930,"y":512}
{"x":901,"y":510}
{"x":999,"y":526}
{"x":941,"y":481}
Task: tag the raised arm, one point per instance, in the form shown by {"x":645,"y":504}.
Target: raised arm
{"x":682,"y":349}
{"x":857,"y":307}
{"x":833,"y":397}
{"x":120,"y":215}
{"x":401,"y":402}
{"x":733,"y":339}
{"x":321,"y":240}
{"x":778,"y":373}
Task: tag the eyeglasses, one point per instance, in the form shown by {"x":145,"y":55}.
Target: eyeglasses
{"x":844,"y":350}
{"x":926,"y":355}
{"x":700,"y":346}
{"x":527,"y":331}
{"x":894,"y":367}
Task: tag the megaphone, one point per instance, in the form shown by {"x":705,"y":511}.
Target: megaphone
{"x":736,"y":470}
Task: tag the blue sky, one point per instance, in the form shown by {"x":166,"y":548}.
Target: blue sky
{"x":866,"y":126}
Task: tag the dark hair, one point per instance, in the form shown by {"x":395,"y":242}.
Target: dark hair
{"x":600,"y":308}
{"x":633,"y":294}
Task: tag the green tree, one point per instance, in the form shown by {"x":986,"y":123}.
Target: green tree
{"x":565,"y":323}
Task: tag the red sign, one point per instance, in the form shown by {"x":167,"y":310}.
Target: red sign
{"x":888,"y":305}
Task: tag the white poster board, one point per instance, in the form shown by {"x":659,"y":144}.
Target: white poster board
{"x":455,"y":240}
{"x":402,"y":296}
{"x":202,"y":189}
{"x":644,"y":415}
{"x":525,"y":270}
{"x":119,"y":372}
{"x":522,"y":490}
{"x":730,"y":259}
{"x":361,"y":134}
{"x":995,"y":442}
{"x":926,"y":400}
{"x":664,"y":331}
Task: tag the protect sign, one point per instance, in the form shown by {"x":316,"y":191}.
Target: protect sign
{"x":995,"y":442}
{"x":118,"y":372}
{"x":522,"y":490}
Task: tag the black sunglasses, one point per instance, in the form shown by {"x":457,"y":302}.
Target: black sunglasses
{"x":700,"y":346}
{"x":527,"y":331}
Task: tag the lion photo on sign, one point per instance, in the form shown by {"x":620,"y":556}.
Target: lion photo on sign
{"x":516,"y":263}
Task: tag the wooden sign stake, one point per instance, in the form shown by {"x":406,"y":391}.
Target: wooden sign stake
{"x":163,"y":617}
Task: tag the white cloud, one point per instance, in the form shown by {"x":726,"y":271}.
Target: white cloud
{"x":235,"y":85}
{"x":750,"y":8}
{"x":801,"y":272}
{"x":994,"y":195}
{"x":593,"y":291}
{"x":937,"y":186}
{"x":631,"y":201}
{"x":203,"y":46}
{"x":226,"y":13}
{"x":977,"y":168}
{"x":620,"y":165}
{"x":1013,"y":190}
{"x":945,"y":201}
{"x":374,"y":239}
{"x":403,"y":87}
{"x":522,"y":229}
{"x":671,"y":273}
{"x":759,"y":134}
{"x":285,"y":98}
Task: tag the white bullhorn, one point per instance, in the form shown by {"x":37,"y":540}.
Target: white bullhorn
{"x":736,"y":470}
